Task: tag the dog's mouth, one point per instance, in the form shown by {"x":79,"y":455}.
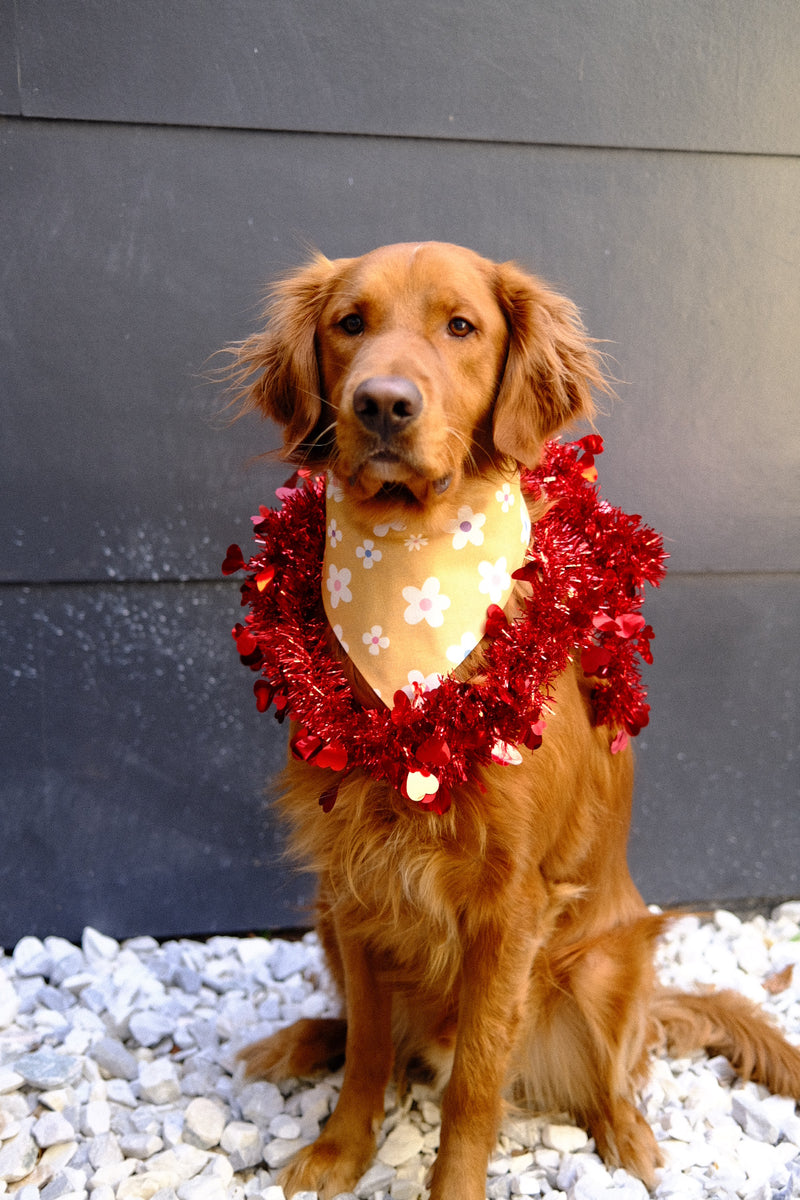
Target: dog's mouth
{"x":389,"y":475}
{"x":395,"y":493}
{"x":408,"y":495}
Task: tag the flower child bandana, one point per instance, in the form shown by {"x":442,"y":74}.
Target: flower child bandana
{"x":408,"y":608}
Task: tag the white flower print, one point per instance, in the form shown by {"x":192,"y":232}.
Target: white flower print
{"x":334,"y":490}
{"x":495,"y":579}
{"x":368,"y":554}
{"x":505,"y":497}
{"x":428,"y":683}
{"x":334,"y":533}
{"x":457,"y":654}
{"x":467,"y":527}
{"x":382,"y":530}
{"x":337,"y":629}
{"x":375,"y":640}
{"x":337,"y":582}
{"x":425,"y":603}
{"x":415,"y":541}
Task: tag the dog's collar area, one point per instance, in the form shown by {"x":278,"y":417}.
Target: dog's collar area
{"x":586,"y":570}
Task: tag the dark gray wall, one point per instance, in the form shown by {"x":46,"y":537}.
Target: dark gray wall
{"x":158,"y":163}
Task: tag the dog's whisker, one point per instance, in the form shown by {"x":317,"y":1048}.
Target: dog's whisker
{"x":467,"y":444}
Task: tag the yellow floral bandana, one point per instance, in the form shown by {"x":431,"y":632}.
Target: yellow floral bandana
{"x":409,"y":608}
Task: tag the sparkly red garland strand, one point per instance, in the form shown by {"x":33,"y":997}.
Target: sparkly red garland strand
{"x":586,"y":567}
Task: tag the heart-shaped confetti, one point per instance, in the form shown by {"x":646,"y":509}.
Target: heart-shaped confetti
{"x":233,"y":561}
{"x":420,"y":785}
{"x":506,"y":755}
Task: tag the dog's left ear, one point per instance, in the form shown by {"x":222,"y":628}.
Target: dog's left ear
{"x":277,"y":371}
{"x":550,"y":369}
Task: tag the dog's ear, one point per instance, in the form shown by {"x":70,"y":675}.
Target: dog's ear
{"x":550,"y":369}
{"x":276,"y":370}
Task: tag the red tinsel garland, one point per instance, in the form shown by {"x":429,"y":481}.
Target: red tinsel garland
{"x":586,"y":567}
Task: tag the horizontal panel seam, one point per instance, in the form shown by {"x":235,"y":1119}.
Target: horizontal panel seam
{"x":256,"y":131}
{"x":8,"y":585}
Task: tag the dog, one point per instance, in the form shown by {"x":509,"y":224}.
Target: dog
{"x":499,"y":949}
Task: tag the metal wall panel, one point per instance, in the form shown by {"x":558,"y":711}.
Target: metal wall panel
{"x":132,"y":755}
{"x":131,"y":254}
{"x":717,"y":801}
{"x":135,"y":762}
{"x":710,"y":75}
{"x":9,"y":81}
{"x":134,"y":767}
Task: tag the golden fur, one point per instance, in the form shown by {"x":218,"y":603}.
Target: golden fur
{"x":500,"y":950}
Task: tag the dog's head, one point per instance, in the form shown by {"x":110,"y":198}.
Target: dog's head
{"x":408,"y":367}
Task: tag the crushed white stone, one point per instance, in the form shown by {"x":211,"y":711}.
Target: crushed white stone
{"x":119,"y":1080}
{"x":403,"y":1143}
{"x":204,"y":1122}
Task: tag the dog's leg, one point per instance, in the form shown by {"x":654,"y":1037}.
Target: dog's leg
{"x":344,"y":1149}
{"x":494,"y":983}
{"x":589,"y":1049}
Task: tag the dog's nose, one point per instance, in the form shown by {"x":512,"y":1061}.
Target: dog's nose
{"x":386,"y":404}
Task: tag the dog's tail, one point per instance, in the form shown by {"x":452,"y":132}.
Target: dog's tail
{"x":726,"y":1023}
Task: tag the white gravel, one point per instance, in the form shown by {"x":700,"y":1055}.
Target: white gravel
{"x":118,"y":1078}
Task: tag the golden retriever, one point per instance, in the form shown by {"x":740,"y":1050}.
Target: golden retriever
{"x":501,"y":949}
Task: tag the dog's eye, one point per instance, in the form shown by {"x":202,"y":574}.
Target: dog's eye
{"x":352,"y":324}
{"x":460,"y":327}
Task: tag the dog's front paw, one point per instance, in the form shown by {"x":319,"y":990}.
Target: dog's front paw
{"x":327,"y":1167}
